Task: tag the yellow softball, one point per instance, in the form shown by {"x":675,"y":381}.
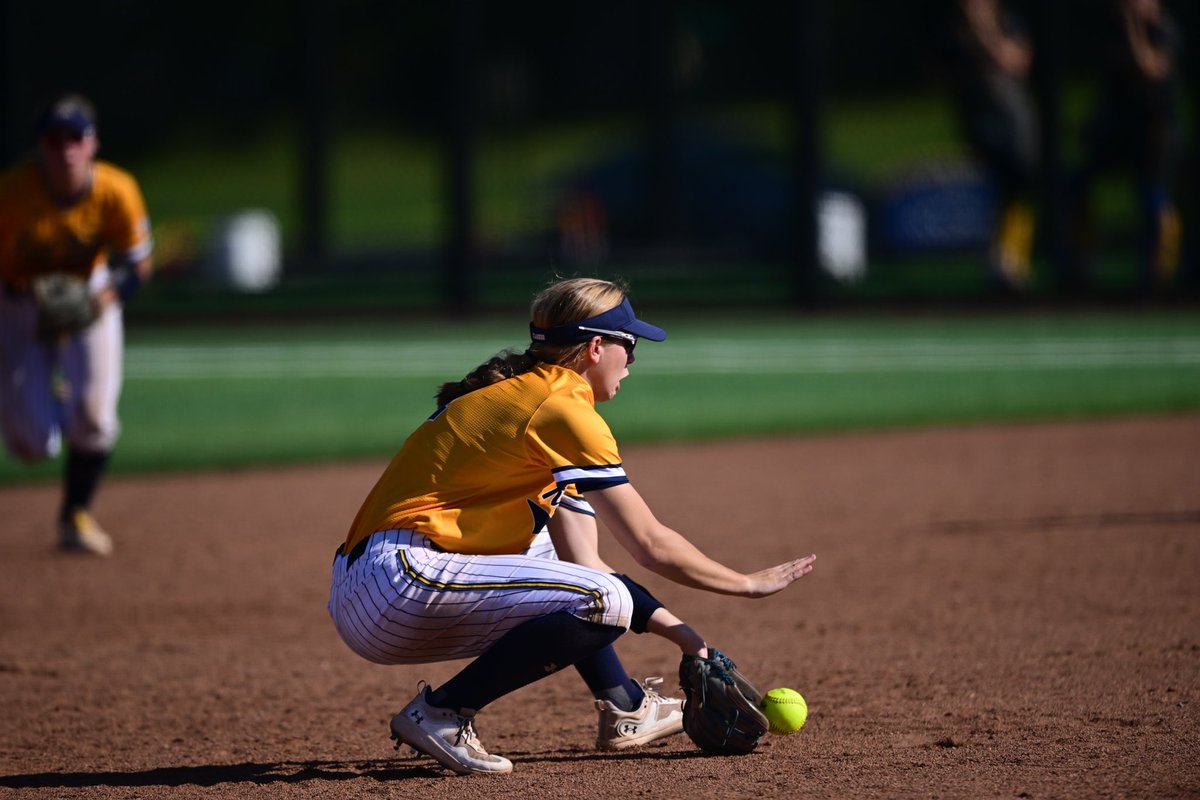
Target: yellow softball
{"x":785,"y":709}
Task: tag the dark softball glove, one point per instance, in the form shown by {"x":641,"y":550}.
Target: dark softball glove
{"x":65,"y":305}
{"x":721,"y":709}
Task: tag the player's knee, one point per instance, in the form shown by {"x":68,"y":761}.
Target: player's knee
{"x":617,"y":603}
{"x":93,"y":433}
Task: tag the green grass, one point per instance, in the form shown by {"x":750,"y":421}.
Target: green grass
{"x":264,"y":394}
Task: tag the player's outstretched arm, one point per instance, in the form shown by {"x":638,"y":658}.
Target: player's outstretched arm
{"x":666,"y":552}
{"x":576,"y":539}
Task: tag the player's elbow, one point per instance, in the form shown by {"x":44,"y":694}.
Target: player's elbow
{"x":646,"y":560}
{"x":655,"y":551}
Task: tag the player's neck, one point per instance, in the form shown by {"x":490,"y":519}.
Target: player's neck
{"x":66,"y":188}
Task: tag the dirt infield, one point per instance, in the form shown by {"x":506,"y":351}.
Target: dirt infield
{"x":995,"y":612}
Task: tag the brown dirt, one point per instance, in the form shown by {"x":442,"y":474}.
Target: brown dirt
{"x":996,"y":612}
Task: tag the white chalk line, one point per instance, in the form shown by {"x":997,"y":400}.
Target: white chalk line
{"x":368,"y":359}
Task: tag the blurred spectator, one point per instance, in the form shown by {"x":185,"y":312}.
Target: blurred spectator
{"x":989,"y":57}
{"x":1135,"y":127}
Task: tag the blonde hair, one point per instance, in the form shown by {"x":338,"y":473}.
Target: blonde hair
{"x":559,"y":303}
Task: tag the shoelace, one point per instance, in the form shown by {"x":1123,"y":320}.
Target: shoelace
{"x":467,"y":733}
{"x":650,"y":686}
{"x":466,"y":727}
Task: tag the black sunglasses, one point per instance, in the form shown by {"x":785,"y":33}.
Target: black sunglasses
{"x":626,"y":340}
{"x":628,"y":344}
{"x":61,"y":136}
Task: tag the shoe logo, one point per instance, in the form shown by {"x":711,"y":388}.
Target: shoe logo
{"x":627,"y":729}
{"x":416,"y":716}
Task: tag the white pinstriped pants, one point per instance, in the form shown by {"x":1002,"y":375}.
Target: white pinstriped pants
{"x":33,"y":417}
{"x":405,"y":602}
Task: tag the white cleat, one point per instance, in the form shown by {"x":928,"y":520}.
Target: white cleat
{"x":80,"y":533}
{"x":656,"y":718}
{"x":446,"y":736}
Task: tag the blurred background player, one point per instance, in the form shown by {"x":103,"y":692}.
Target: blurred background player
{"x":989,"y":58}
{"x":62,"y":211}
{"x":1135,"y":127}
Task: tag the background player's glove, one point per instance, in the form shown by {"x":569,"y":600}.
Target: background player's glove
{"x":65,"y":305}
{"x":721,"y":710}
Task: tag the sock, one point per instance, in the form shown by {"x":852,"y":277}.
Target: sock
{"x":527,"y":653}
{"x":81,"y":476}
{"x":606,"y":678}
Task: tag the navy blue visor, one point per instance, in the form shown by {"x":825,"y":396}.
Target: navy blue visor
{"x":619,"y":322}
{"x":68,"y":118}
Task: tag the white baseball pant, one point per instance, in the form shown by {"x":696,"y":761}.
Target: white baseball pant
{"x":401,"y":600}
{"x":33,"y":414}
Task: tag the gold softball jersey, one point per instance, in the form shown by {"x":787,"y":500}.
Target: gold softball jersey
{"x":486,"y":472}
{"x":38,"y":236}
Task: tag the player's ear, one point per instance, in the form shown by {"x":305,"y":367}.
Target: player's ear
{"x":595,"y":349}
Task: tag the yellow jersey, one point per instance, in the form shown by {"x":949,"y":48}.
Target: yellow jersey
{"x":486,"y":472}
{"x":39,"y":236}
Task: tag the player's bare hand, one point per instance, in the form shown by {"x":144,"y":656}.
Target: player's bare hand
{"x":773,"y":579}
{"x":105,"y":298}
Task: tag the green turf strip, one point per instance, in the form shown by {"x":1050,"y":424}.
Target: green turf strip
{"x":236,"y":396}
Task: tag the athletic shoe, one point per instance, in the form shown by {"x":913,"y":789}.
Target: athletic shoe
{"x":446,"y":736}
{"x":80,"y":533}
{"x":657,"y":717}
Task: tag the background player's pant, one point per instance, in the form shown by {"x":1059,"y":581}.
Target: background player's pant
{"x":34,"y":413}
{"x":404,"y":602}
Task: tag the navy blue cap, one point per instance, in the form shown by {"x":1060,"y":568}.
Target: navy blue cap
{"x":72,"y":113}
{"x":617,"y":320}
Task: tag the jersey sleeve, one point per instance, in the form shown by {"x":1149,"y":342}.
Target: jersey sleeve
{"x":127,"y":225}
{"x":576,"y":443}
{"x":571,"y":500}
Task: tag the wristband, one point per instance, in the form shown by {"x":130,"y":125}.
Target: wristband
{"x":128,"y":281}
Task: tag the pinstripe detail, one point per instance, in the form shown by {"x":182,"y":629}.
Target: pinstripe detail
{"x":411,"y":572}
{"x":402,"y":602}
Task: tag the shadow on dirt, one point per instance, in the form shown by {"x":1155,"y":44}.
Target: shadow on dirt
{"x":284,"y":772}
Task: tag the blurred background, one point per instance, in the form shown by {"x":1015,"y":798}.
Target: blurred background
{"x":352,"y":156}
{"x":875,"y":186}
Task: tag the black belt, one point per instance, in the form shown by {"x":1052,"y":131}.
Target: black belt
{"x":355,"y":552}
{"x":361,"y":547}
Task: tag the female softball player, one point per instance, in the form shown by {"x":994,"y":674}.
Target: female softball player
{"x":458,"y":550}
{"x":66,"y":216}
